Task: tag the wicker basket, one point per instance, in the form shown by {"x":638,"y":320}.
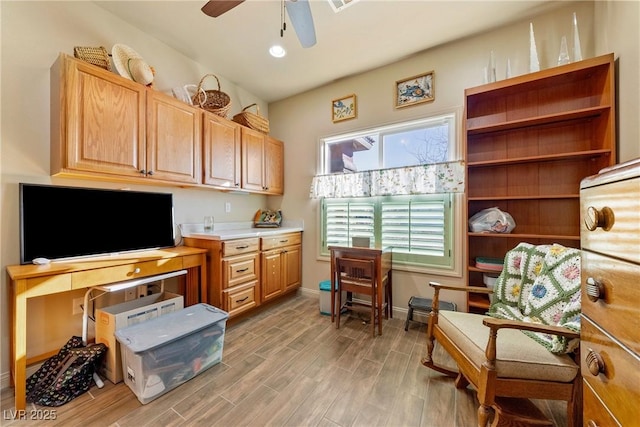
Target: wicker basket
{"x":253,"y":121}
{"x":93,"y":55}
{"x":214,"y":101}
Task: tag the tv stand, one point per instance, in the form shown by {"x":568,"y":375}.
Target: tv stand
{"x":29,"y":281}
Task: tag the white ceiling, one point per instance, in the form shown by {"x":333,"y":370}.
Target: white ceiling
{"x":363,"y":36}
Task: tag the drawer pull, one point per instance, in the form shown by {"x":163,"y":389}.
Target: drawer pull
{"x":136,"y":271}
{"x":284,"y":241}
{"x":599,"y":218}
{"x":242,"y":270}
{"x":595,"y":289}
{"x":242,"y":300}
{"x":595,"y":364}
{"x":242,"y":247}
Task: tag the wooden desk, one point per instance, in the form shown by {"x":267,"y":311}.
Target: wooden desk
{"x":29,"y":281}
{"x":382,"y":260}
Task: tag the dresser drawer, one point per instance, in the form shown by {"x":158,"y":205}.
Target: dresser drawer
{"x":619,"y":382}
{"x":240,"y":246}
{"x":617,"y":308}
{"x":120,"y":273}
{"x":241,"y":298}
{"x":617,"y":206}
{"x":281,"y":240}
{"x":240,"y":269}
{"x":594,"y":412}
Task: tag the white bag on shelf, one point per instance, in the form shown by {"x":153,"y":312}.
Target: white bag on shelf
{"x":491,"y":220}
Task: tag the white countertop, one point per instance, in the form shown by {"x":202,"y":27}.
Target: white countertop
{"x":237,"y":230}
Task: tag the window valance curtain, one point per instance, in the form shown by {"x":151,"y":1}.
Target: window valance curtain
{"x":422,"y":179}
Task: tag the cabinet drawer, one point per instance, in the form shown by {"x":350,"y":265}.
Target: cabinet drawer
{"x":621,"y":201}
{"x":120,"y":273}
{"x":594,"y":411}
{"x":240,"y":269}
{"x":240,"y":246}
{"x":619,"y":382}
{"x":617,"y":308}
{"x":241,"y":298}
{"x":281,"y":241}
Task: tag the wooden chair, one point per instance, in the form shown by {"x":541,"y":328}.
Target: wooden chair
{"x":506,"y":358}
{"x":357,"y":276}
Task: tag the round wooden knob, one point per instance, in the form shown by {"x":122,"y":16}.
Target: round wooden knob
{"x":602,"y":218}
{"x":595,"y":289}
{"x":595,"y":364}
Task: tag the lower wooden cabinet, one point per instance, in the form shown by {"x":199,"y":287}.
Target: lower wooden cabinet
{"x":244,"y":273}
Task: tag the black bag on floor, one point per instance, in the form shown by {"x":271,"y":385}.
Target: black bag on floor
{"x":66,"y":375}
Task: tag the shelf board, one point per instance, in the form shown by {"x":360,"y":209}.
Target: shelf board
{"x":583,"y":113}
{"x":478,"y":300}
{"x":525,"y":236}
{"x":483,"y":270}
{"x":542,"y":158}
{"x":540,"y":197}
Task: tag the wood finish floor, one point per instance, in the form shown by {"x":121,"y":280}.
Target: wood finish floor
{"x":288,"y":366}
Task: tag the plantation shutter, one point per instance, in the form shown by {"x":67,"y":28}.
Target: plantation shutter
{"x":346,"y":218}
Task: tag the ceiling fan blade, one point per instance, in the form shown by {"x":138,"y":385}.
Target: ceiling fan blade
{"x":215,"y":8}
{"x":300,"y":15}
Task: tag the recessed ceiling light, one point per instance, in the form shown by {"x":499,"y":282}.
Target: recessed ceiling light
{"x":277,"y":51}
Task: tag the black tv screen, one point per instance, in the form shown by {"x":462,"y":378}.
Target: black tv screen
{"x":59,"y":222}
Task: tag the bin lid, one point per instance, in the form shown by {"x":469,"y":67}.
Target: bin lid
{"x":325,"y":285}
{"x":169,"y":327}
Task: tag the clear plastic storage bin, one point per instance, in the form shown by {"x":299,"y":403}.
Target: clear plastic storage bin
{"x":160,"y":354}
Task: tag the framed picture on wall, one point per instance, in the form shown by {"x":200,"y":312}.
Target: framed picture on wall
{"x":344,"y":108}
{"x":414,"y":90}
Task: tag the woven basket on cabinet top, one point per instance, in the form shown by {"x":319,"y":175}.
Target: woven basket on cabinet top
{"x":214,"y":101}
{"x":251,"y":120}
{"x":93,"y":55}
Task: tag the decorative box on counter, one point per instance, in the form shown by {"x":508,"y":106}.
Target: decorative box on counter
{"x":163,"y":353}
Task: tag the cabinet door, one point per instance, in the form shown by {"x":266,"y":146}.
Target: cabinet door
{"x":272,"y":283}
{"x":100,"y":123}
{"x":221,"y":149}
{"x":174,"y":144}
{"x":274,"y":166}
{"x":252,"y":160}
{"x":292,"y":267}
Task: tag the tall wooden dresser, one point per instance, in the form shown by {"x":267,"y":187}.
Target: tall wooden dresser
{"x":610,"y":337}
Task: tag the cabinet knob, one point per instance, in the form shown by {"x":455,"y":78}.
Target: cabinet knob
{"x":150,"y":173}
{"x":592,"y":423}
{"x":237,"y":184}
{"x":595,"y":289}
{"x":143,"y":172}
{"x":136,"y":271}
{"x":595,"y":363}
{"x":595,"y":218}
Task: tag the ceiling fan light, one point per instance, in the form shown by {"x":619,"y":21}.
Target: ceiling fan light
{"x":277,"y":51}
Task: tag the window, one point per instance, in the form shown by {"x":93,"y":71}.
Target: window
{"x":417,"y":226}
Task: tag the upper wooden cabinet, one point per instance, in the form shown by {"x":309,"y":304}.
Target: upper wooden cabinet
{"x":221,"y":149}
{"x":530,"y":140}
{"x":106,"y":126}
{"x":173,"y":140}
{"x":262,"y":162}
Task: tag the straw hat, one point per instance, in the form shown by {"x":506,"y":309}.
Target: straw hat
{"x":131,"y":65}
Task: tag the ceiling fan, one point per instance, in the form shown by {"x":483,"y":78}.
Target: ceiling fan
{"x":299,"y":12}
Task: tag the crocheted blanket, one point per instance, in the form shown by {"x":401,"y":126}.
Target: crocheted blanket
{"x":541,"y":284}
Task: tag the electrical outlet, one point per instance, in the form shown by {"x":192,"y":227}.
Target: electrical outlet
{"x":227,"y":207}
{"x":142,"y":291}
{"x":77,"y":306}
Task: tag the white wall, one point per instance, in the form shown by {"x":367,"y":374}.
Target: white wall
{"x":33,"y":34}
{"x":303,"y":119}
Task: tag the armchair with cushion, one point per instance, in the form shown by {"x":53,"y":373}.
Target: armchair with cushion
{"x":526,"y":345}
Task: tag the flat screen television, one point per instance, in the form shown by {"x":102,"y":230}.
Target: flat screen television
{"x":58,"y":222}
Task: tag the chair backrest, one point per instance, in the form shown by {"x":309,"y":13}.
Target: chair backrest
{"x":356,"y":275}
{"x":541,"y":284}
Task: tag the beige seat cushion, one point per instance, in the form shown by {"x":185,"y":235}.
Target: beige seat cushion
{"x":518,"y":356}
